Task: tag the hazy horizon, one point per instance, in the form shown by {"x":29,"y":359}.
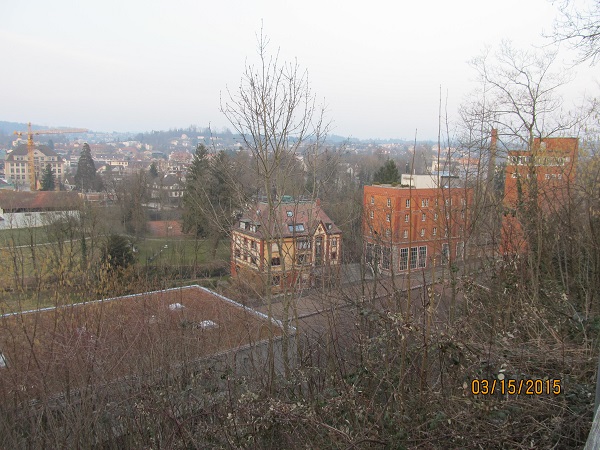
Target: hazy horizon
{"x":141,"y":66}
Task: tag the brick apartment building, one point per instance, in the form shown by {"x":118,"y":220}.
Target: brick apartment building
{"x":546,"y":173}
{"x":305,"y":245}
{"x":415,"y":224}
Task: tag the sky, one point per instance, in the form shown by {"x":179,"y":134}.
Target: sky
{"x":140,"y":65}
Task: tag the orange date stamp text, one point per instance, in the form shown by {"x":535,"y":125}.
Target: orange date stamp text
{"x":525,"y":386}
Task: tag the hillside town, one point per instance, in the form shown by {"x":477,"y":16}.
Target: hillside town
{"x":275,"y":282}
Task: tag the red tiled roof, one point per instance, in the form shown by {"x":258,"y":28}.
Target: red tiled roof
{"x":39,"y":200}
{"x":286,"y":215}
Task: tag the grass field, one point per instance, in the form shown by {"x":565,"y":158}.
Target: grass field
{"x":17,"y":269}
{"x":23,"y":236}
{"x":178,"y":251}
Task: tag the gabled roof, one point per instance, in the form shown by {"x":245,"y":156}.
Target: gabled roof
{"x":21,"y":150}
{"x":289,"y":219}
{"x":13,"y":201}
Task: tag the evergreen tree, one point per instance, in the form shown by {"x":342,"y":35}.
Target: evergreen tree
{"x":209,"y":199}
{"x":388,"y":173}
{"x":153,"y":170}
{"x":48,"y":183}
{"x":86,"y":178}
{"x":117,"y":252}
{"x":194,"y":218}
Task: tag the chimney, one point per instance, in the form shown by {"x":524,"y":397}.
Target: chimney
{"x":492,"y":157}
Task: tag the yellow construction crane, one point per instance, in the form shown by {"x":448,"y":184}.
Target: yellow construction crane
{"x":30,"y":147}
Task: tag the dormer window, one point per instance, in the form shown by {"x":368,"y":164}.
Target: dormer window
{"x":243,"y":225}
{"x":296,"y":227}
{"x":289,"y":213}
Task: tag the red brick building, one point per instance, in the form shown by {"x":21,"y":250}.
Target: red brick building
{"x":544,"y":176}
{"x":414,"y":227}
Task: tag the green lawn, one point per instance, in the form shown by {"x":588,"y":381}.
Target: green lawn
{"x":178,"y":251}
{"x":22,"y":236}
{"x":16,"y":263}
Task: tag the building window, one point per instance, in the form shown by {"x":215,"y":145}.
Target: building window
{"x":460,"y":250}
{"x":243,"y":225}
{"x":333,"y":256}
{"x":334,"y":242}
{"x":302,"y":244}
{"x":434,"y":231}
{"x":405,"y":234}
{"x":422,"y":256}
{"x":275,"y":261}
{"x":445,"y":252}
{"x":289,"y":213}
{"x":422,"y":232}
{"x":319,"y":251}
{"x":238,"y":253}
{"x":389,"y":202}
{"x":403,"y":258}
{"x":423,"y":217}
{"x":406,"y":217}
{"x":388,"y":232}
{"x":253,"y":245}
{"x":371,"y":214}
{"x":408,"y":203}
{"x":435,"y":216}
{"x":425,"y":203}
{"x":447,"y":202}
{"x":372,"y":200}
{"x":388,"y":217}
{"x":413,"y":257}
{"x":275,"y":280}
{"x":253,"y":260}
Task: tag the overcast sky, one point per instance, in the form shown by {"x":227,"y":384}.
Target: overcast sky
{"x":141,"y":65}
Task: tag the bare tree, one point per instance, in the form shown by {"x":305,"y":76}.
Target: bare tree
{"x":579,"y":26}
{"x":276,"y":115}
{"x":519,"y":96}
{"x":520,"y":89}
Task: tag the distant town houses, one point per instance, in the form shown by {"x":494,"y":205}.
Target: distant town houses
{"x":167,"y":188}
